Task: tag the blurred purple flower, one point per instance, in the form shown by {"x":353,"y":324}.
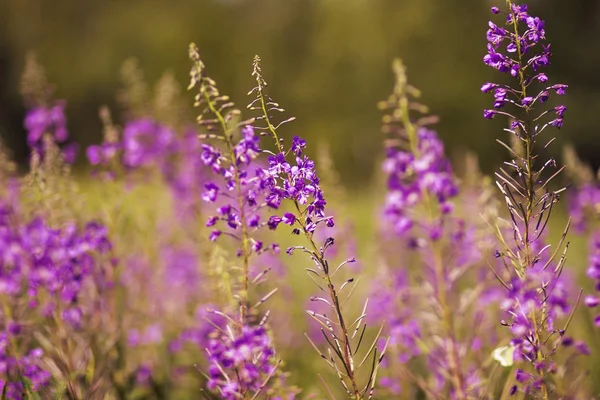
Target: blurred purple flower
{"x":49,"y":120}
{"x":239,"y":363}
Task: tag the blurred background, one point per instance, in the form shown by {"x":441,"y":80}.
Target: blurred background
{"x":327,"y":62}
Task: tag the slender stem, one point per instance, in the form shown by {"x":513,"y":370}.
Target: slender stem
{"x":452,"y":351}
{"x":347,"y":354}
{"x":348,"y":360}
{"x":530,"y":193}
{"x":441,"y":293}
{"x":265,"y":113}
{"x":411,"y":130}
{"x":241,"y":206}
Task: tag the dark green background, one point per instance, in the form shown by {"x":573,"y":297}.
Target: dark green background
{"x":327,"y":62}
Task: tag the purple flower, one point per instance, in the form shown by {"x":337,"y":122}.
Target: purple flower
{"x":41,"y":120}
{"x":239,"y":363}
{"x":214,"y":235}
{"x":413,"y":176}
{"x":144,"y":143}
{"x":489,"y":114}
{"x":273,"y":222}
{"x":244,"y":193}
{"x":525,"y":55}
{"x":488,"y":87}
{"x":57,"y":264}
{"x":288,"y":218}
{"x":593,"y":272}
{"x":210,"y":195}
{"x":558,"y":122}
{"x":583,"y":202}
{"x":49,"y":120}
{"x":27,"y":366}
{"x":298,"y":145}
{"x":591,"y":301}
{"x":298,"y":183}
{"x":102,"y":154}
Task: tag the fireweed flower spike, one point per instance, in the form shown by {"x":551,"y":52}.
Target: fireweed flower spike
{"x":298,"y":184}
{"x":241,"y":354}
{"x":518,"y":49}
{"x":419,"y":210}
{"x":49,"y":280}
{"x":45,"y":116}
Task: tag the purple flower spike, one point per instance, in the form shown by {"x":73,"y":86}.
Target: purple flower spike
{"x":524,"y":55}
{"x":239,"y":363}
{"x":50,"y":120}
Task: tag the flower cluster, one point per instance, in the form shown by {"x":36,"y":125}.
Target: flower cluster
{"x":103,"y":154}
{"x":298,"y":183}
{"x":51,"y":120}
{"x":585,"y":200}
{"x":15,"y":370}
{"x":144,"y":143}
{"x":235,"y":169}
{"x":438,"y":249}
{"x":37,"y":260}
{"x":185,"y":172}
{"x":71,"y":325}
{"x":523,"y":299}
{"x":593,"y":272}
{"x":532,"y":315}
{"x":239,"y":364}
{"x":414,"y":177}
{"x":390,"y":301}
{"x":536,"y":294}
{"x":518,"y":53}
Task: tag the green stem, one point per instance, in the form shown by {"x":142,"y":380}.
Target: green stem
{"x":348,"y":360}
{"x":240,"y":200}
{"x":530,"y":193}
{"x":348,"y":356}
{"x":441,"y":294}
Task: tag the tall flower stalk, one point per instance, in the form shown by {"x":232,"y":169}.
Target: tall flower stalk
{"x":419,"y":208}
{"x":298,"y":184}
{"x":241,"y":354}
{"x":518,"y":49}
{"x":220,"y":116}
